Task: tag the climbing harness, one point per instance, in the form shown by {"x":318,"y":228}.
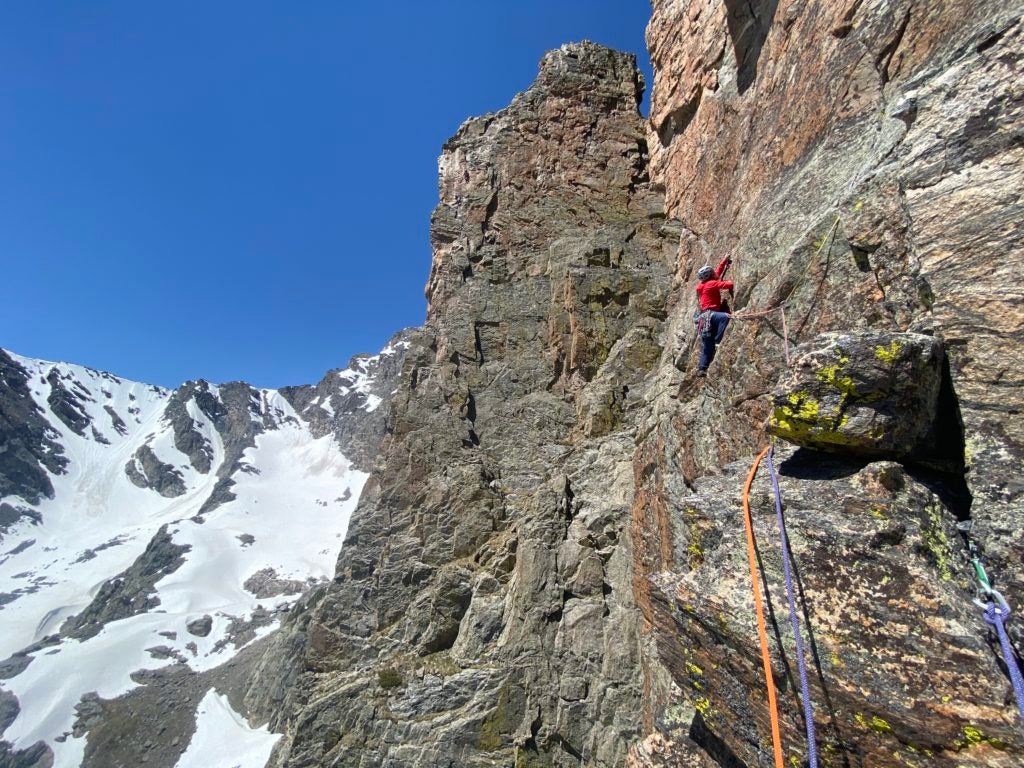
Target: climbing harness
{"x":702,"y":321}
{"x":995,"y":611}
{"x":805,"y":692}
{"x":762,"y":632}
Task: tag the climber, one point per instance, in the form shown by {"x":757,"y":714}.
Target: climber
{"x":713,"y":317}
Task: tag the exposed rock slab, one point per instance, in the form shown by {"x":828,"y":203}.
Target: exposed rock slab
{"x":896,"y":644}
{"x":146,"y":470}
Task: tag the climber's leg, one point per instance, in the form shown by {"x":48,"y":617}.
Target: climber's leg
{"x":721,"y":322}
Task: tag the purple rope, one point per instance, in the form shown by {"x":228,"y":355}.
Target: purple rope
{"x":812,"y":746}
{"x":997,"y":616}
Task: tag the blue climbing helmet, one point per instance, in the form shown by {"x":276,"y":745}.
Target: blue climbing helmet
{"x":705,"y":273}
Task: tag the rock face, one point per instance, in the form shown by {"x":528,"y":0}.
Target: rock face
{"x":482,"y":612}
{"x":868,"y":168}
{"x":895,"y":642}
{"x":147,"y":471}
{"x":27,"y":445}
{"x":862,"y":162}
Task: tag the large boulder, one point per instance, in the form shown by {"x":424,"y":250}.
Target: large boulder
{"x":871,"y":393}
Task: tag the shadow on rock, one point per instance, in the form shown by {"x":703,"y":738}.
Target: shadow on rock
{"x":749,"y":23}
{"x":808,"y":464}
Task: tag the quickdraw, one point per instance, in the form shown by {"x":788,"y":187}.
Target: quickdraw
{"x":996,"y":612}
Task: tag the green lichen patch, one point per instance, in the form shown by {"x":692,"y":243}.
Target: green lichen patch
{"x":703,"y":705}
{"x":832,"y":375}
{"x":801,"y":418}
{"x":331,"y":739}
{"x":973,"y":737}
{"x":937,"y":542}
{"x":389,"y":677}
{"x":496,"y":729}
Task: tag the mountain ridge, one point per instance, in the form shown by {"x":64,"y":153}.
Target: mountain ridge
{"x":119,"y":499}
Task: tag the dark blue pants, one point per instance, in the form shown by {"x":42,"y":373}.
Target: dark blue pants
{"x":718,"y":322}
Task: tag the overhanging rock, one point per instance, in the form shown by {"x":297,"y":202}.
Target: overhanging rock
{"x":871,"y":393}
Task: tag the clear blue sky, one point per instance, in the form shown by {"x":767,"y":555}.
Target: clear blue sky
{"x":242,"y":190}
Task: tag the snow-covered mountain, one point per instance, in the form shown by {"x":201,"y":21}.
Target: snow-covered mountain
{"x":143,"y":528}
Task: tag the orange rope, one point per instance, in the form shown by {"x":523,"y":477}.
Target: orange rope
{"x":773,"y":708}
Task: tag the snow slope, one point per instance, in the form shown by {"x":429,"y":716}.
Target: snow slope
{"x":224,"y":739}
{"x":247,"y":559}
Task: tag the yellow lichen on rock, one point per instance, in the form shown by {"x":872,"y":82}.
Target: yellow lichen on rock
{"x":888,"y":354}
{"x":937,"y":542}
{"x":876,"y":724}
{"x":830,"y":374}
{"x":801,"y":417}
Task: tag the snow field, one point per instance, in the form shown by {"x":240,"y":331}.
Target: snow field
{"x":294,"y":497}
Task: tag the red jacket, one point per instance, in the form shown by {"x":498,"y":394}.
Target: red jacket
{"x":710,"y":291}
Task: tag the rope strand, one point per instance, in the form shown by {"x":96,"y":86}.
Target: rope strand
{"x":996,"y":615}
{"x":805,"y":692}
{"x":762,"y":631}
{"x":781,"y":307}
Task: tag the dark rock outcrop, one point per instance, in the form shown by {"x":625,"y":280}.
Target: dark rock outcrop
{"x":131,"y":592}
{"x":266,"y":583}
{"x":145,"y":470}
{"x":67,"y":402}
{"x":354,"y":403}
{"x":238,"y":414}
{"x":39,"y":755}
{"x":8,"y":709}
{"x":11,"y":514}
{"x":187,"y":438}
{"x":28,"y":448}
{"x":200,"y":627}
{"x":237,"y":411}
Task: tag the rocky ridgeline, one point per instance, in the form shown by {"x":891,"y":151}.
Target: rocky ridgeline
{"x":547,"y":567}
{"x":144,"y":467}
{"x":363,"y":388}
